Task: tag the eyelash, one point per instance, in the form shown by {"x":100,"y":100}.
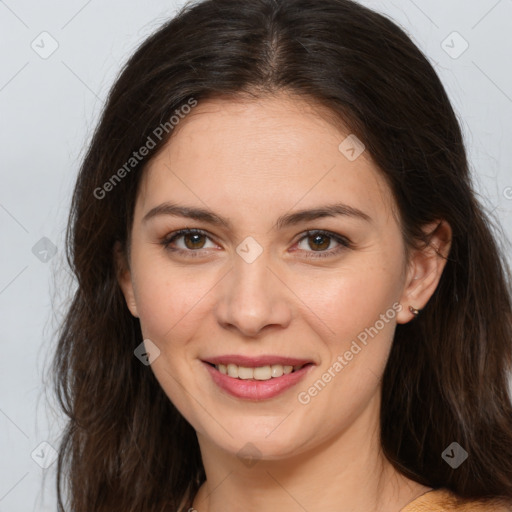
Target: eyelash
{"x":344,"y":242}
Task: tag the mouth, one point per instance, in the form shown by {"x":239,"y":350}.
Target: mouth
{"x":256,"y":378}
{"x":260,"y":373}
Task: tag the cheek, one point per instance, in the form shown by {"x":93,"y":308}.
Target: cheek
{"x":167,"y":297}
{"x":350,"y":300}
{"x":361,"y":311}
{"x":359,"y":306}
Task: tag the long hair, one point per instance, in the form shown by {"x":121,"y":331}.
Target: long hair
{"x":126,"y":447}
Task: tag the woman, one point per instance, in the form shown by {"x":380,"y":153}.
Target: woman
{"x":288,"y":295}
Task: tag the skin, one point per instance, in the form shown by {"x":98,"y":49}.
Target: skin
{"x":252,"y":160}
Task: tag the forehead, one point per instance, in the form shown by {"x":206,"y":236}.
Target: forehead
{"x":269,"y":151}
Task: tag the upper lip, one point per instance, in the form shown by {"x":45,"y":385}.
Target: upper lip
{"x":253,"y":362}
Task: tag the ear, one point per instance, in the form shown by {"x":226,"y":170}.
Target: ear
{"x":425,"y":268}
{"x":124,"y":278}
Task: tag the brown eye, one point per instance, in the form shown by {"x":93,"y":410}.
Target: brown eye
{"x":193,"y":240}
{"x":319,"y":242}
{"x":186,"y":242}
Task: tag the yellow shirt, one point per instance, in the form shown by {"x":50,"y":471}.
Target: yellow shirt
{"x":443,"y":500}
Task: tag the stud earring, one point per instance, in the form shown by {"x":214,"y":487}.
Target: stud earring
{"x":414,"y":311}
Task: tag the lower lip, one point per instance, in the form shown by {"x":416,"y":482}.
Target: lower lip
{"x":252,"y":389}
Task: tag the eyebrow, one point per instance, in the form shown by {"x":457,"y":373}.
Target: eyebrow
{"x":289,"y":219}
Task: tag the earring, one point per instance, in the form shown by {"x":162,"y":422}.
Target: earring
{"x":414,"y":311}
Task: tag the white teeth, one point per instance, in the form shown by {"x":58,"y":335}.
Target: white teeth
{"x":277,"y":370}
{"x":259,"y":373}
{"x":262,"y":373}
{"x":245,"y":373}
{"x":232,"y":370}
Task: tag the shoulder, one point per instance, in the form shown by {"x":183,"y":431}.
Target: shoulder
{"x":443,"y":500}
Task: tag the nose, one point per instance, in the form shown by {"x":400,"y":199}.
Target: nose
{"x":253,"y":297}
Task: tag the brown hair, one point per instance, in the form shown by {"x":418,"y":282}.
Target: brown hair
{"x":126,"y":447}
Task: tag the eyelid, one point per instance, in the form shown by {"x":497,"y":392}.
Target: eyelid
{"x":343,"y":241}
{"x":171,"y":237}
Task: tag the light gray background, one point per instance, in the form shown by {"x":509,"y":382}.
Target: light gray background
{"x":49,"y":107}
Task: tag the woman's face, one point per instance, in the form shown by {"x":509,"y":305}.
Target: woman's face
{"x":256,"y":285}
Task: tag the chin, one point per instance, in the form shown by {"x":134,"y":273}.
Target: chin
{"x":269,"y":440}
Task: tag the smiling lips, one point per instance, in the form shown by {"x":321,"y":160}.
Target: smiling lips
{"x":259,"y":373}
{"x":259,"y":368}
{"x":256,"y":378}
